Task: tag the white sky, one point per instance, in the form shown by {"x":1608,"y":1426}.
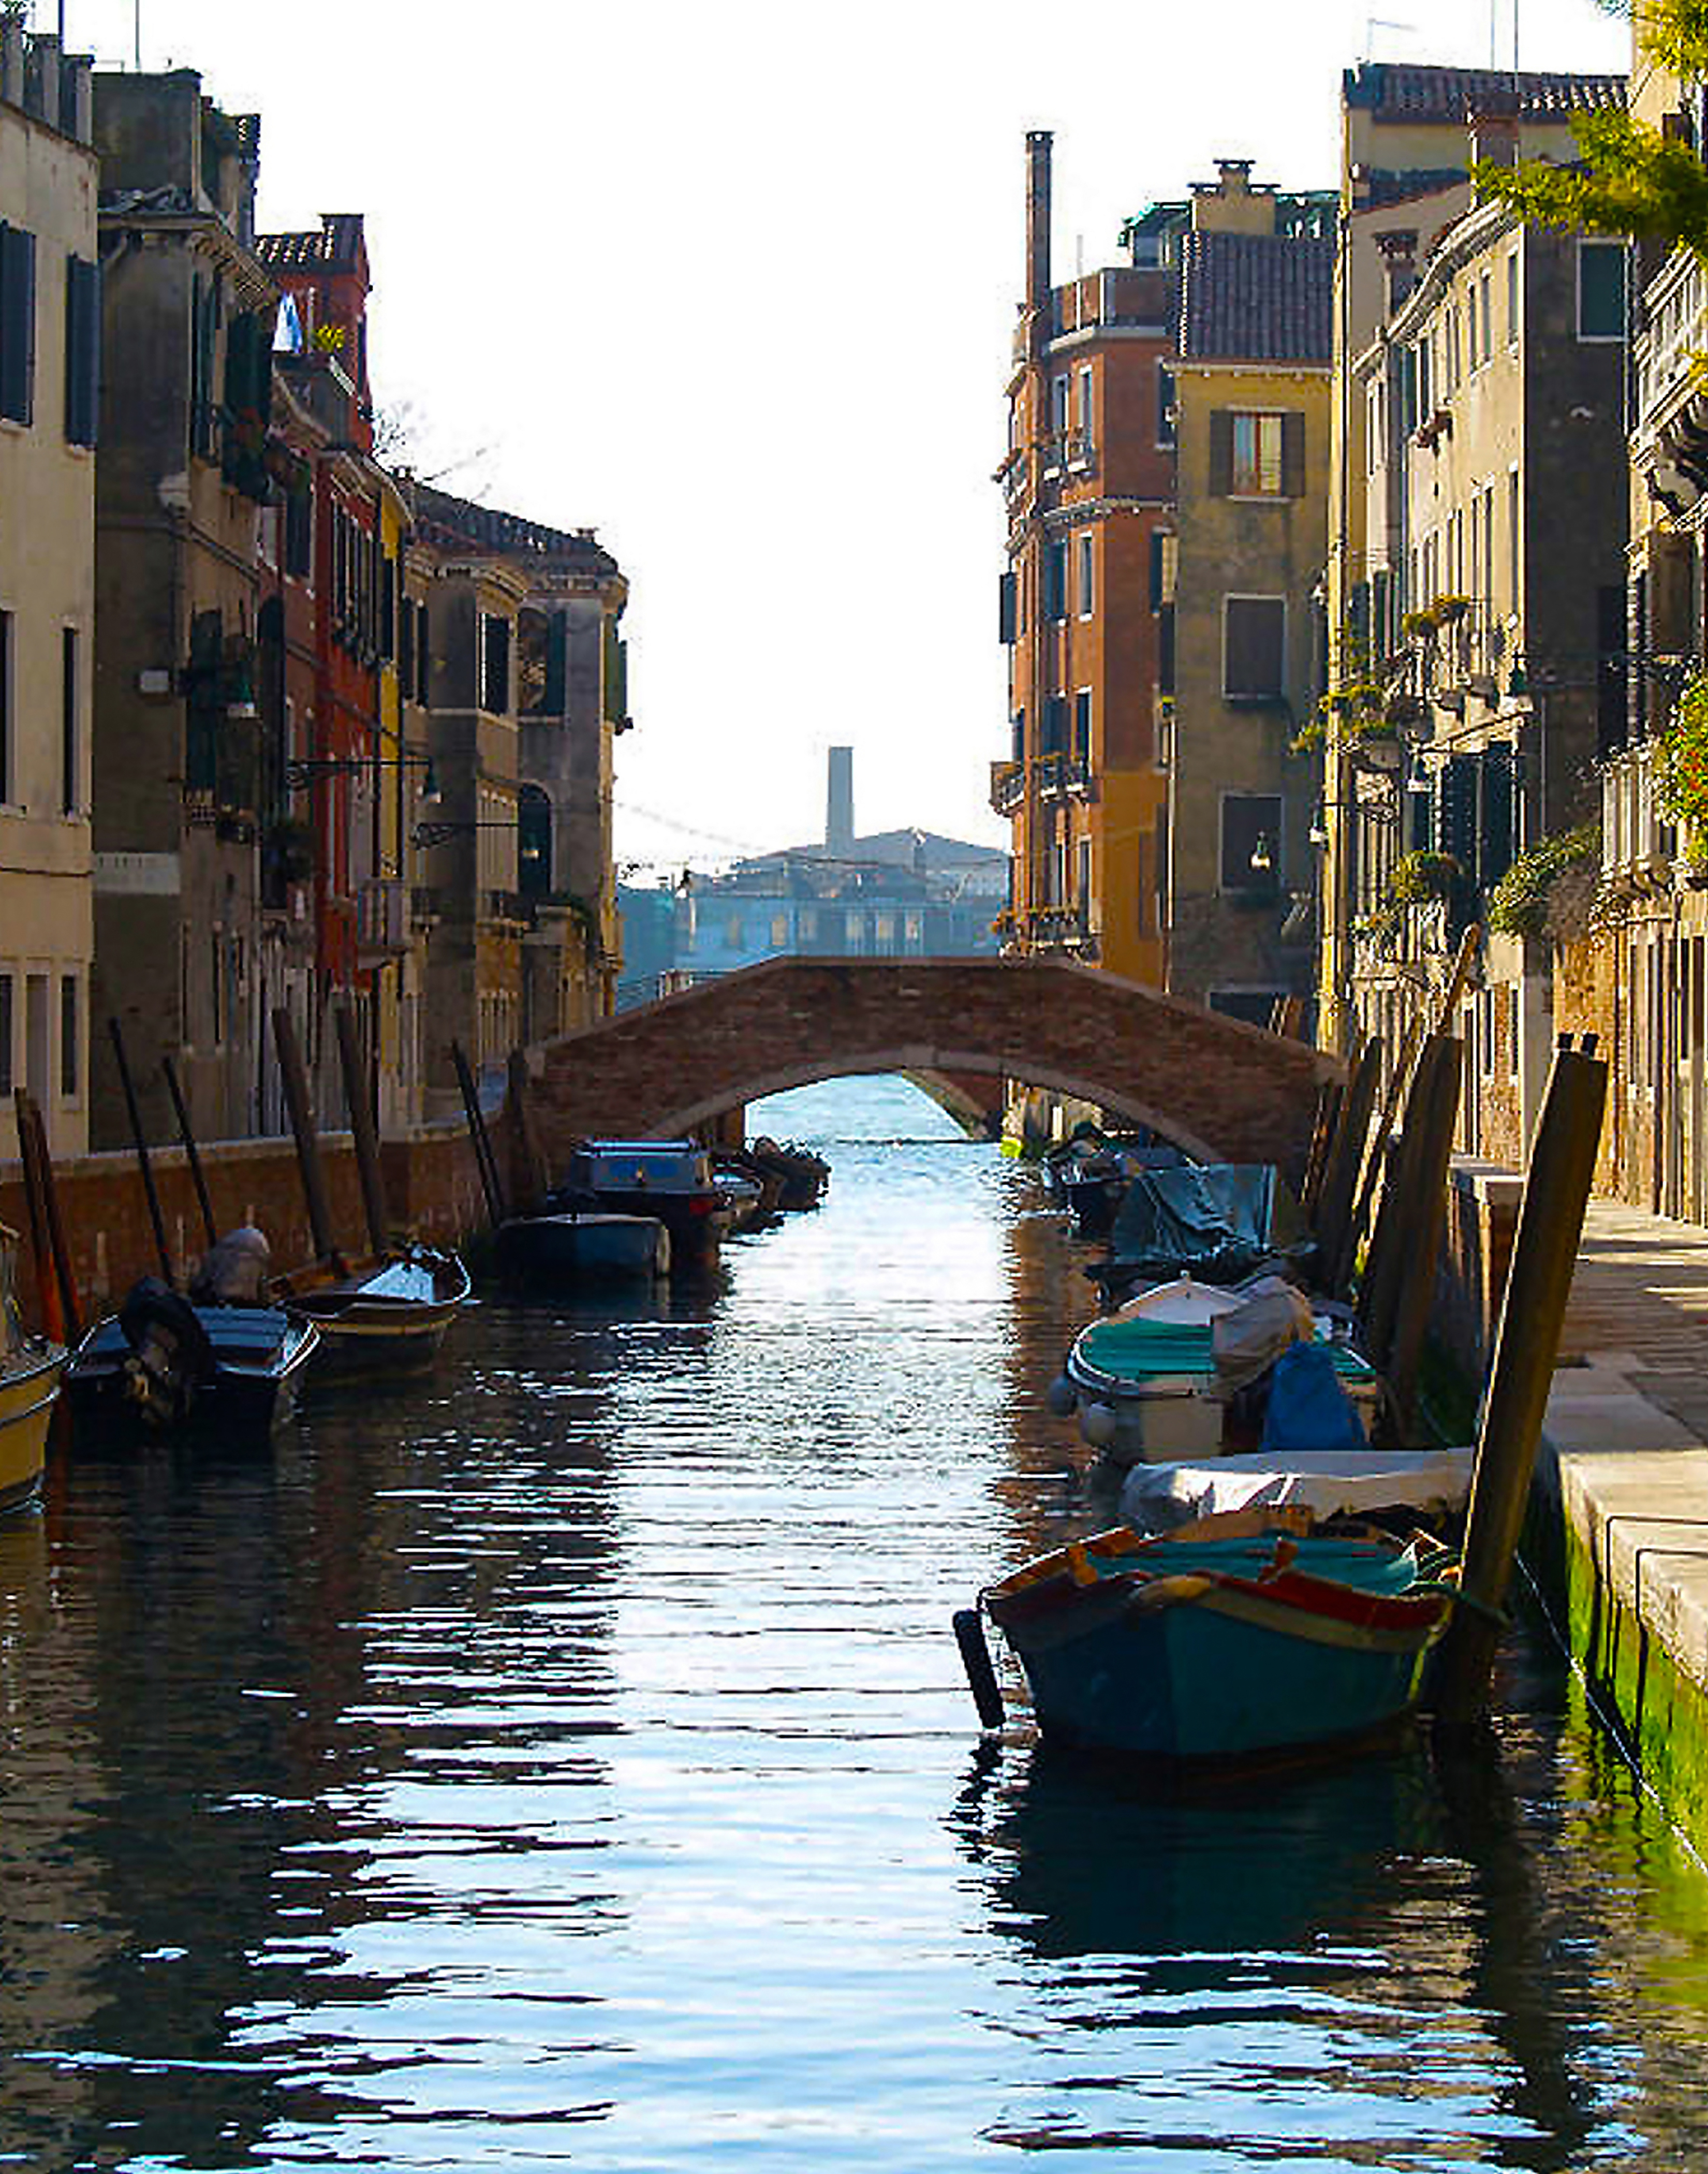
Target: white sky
{"x":736,"y":286}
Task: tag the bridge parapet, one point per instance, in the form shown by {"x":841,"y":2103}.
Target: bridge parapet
{"x":1221,"y":1089}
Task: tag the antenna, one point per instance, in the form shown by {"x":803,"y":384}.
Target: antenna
{"x":1374,"y":23}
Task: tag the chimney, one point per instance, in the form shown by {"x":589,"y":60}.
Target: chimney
{"x":839,"y":821}
{"x":1038,"y":146}
{"x":1494,"y":128}
{"x":1399,"y":263}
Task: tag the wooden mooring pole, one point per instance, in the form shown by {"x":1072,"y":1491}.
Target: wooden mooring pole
{"x":1538,"y":1283}
{"x":294,"y":1077}
{"x":1341,"y":1166}
{"x":115,"y":1034}
{"x":356,"y":1091}
{"x":193,"y":1155}
{"x":485,"y":1162}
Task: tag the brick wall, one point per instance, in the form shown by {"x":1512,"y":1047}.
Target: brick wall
{"x":431,"y":1188}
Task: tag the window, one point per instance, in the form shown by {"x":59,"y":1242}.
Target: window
{"x":1163,"y":561}
{"x":1601,"y":290}
{"x":1254,"y":648}
{"x":1007,"y":626}
{"x":82,"y":350}
{"x":1083,"y":575}
{"x":68,"y":1066}
{"x":17,"y":324}
{"x":1512,"y":300}
{"x":1250,"y":841}
{"x":6,"y":1081}
{"x":1082,"y":724}
{"x":1423,"y":353}
{"x":1085,"y":405}
{"x":780,"y":932}
{"x":5,"y":707}
{"x":70,"y":739}
{"x":1256,"y":456}
{"x":1018,"y":743}
{"x":495,"y":664}
{"x":1056,"y":581}
{"x":1486,"y":289}
{"x":1055,"y":724}
{"x":1058,"y":405}
{"x":1164,"y":405}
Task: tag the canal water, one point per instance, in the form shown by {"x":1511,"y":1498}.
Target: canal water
{"x":566,"y":1762}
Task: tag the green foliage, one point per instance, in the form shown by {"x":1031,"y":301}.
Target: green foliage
{"x":1518,"y":904}
{"x":1682,"y":787}
{"x":1632,"y":180}
{"x":1421,"y":877}
{"x":1673,"y":32}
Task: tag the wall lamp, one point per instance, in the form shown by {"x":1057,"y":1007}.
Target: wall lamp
{"x":300,"y":773}
{"x":428,"y":835}
{"x":1262,"y":862}
{"x":1369,"y":811}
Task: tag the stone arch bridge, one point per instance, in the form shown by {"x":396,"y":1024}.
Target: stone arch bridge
{"x":1220,"y":1089}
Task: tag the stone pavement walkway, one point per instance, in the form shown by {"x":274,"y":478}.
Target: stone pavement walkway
{"x":1628,"y":1419}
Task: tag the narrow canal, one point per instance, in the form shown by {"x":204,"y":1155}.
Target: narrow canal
{"x":566,"y":1762}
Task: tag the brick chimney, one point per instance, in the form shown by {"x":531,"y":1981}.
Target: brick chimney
{"x":1039,"y":142}
{"x":1493,"y":131}
{"x":1399,"y":263}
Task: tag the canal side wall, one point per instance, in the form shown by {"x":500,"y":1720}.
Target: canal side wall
{"x":432,"y":1191}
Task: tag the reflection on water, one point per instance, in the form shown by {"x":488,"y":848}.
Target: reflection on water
{"x":565,"y":1760}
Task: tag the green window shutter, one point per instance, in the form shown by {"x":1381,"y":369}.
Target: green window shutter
{"x":1221,"y":452}
{"x":1494,"y":815}
{"x":17,"y":324}
{"x":1456,"y":811}
{"x":616,"y":675}
{"x":82,"y":350}
{"x":1293,"y":456}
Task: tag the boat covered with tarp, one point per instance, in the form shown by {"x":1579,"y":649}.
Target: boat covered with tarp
{"x":1218,"y":1222}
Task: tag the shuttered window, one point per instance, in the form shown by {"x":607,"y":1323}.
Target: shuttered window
{"x":1056,"y":581}
{"x":495,"y":664}
{"x":1006,"y":616}
{"x":1495,"y":826}
{"x":1254,"y":648}
{"x":82,"y":350}
{"x":1601,"y":290}
{"x":17,"y":324}
{"x":1082,"y":725}
{"x":1456,"y":810}
{"x":1256,"y":456}
{"x":1055,"y":724}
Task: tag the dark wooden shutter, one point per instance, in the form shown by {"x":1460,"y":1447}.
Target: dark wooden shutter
{"x":557,"y":694}
{"x":1166,"y":650}
{"x":17,"y":324}
{"x":1255,"y":663}
{"x":1006,"y":616}
{"x":1055,"y":724}
{"x":1157,"y":548}
{"x":1494,"y":815}
{"x":82,"y":350}
{"x":1293,"y":456}
{"x":1221,"y":451}
{"x":1456,"y":811}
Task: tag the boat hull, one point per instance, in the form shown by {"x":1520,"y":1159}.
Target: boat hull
{"x":393,"y":1314}
{"x":1170,"y":1666}
{"x":29,"y":1390}
{"x":260,"y":1358}
{"x":569,"y":1252}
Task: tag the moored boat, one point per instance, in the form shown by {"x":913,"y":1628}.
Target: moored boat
{"x":669,"y":1179}
{"x":392,"y":1310}
{"x":1149,"y":1384}
{"x":1233,"y":1638}
{"x":31,"y":1371}
{"x":164,"y":1362}
{"x":574,"y":1250}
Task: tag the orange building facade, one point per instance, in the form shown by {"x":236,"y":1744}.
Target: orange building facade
{"x":1089,"y":482}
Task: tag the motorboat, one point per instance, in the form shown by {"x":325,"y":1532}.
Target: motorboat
{"x":392,"y":1310}
{"x":670,"y":1180}
{"x":575,"y":1249}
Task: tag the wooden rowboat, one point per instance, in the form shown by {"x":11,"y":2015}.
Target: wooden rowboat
{"x":390,"y":1310}
{"x":1233,"y":1638}
{"x":31,"y":1371}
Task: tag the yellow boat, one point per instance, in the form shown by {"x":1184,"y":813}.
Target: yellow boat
{"x":30,"y":1368}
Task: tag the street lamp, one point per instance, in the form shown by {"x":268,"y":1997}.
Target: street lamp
{"x":300,"y":772}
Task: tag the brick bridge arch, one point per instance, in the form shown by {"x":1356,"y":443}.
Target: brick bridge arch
{"x":1219,"y":1089}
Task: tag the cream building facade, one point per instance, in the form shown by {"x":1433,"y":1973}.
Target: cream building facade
{"x":49,"y":335}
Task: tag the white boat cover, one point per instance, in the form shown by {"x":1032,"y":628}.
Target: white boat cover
{"x":1155,"y":1498}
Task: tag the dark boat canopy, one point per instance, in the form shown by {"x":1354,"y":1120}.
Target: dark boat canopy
{"x":1213,"y":1221}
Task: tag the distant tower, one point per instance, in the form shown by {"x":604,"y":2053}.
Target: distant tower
{"x":839,"y":820}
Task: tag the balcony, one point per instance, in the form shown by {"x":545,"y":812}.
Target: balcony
{"x":1061,"y":928}
{"x":1008,"y":787}
{"x":1062,"y":777}
{"x":382,"y":920}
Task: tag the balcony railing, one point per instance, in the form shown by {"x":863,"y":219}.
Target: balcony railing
{"x":1639,"y":843}
{"x":1008,"y":787}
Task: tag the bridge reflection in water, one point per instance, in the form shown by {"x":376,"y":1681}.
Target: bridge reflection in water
{"x":569,"y":1760}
